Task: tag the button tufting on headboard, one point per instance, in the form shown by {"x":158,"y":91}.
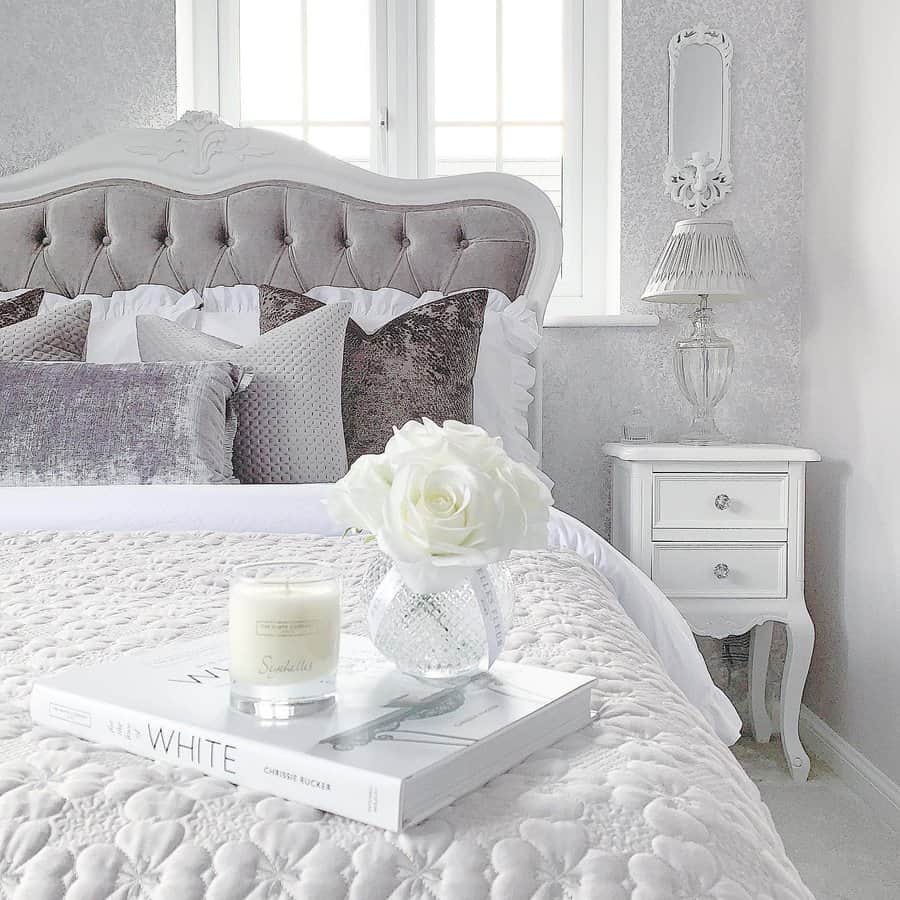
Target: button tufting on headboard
{"x":414,"y":248}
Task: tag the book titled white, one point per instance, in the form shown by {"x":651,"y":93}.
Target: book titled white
{"x":392,"y":751}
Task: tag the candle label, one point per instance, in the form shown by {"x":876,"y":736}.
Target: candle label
{"x":284,"y":636}
{"x":287,"y":627}
{"x":292,"y":650}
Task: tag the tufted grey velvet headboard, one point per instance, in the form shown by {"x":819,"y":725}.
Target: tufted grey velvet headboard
{"x":114,"y":235}
{"x":201,"y":204}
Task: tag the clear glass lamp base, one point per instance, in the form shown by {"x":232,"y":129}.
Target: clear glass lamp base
{"x":704,"y":432}
{"x":703,"y":364}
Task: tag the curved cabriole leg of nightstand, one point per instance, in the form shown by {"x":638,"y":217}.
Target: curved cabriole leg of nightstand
{"x":760,"y":646}
{"x":800,"y":638}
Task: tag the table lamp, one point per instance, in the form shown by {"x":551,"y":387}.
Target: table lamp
{"x":702,"y":263}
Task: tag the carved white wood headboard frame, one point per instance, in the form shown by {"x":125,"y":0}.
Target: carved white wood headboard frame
{"x":200,"y":154}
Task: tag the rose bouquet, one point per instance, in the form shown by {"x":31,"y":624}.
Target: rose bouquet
{"x":446,"y":504}
{"x":443,"y":500}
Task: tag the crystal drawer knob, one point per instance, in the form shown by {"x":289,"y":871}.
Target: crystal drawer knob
{"x":723,"y":501}
{"x":720,"y":570}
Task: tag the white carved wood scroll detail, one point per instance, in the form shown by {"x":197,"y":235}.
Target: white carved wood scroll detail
{"x":199,"y":137}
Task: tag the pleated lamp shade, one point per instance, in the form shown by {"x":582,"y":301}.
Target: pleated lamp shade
{"x":701,"y":257}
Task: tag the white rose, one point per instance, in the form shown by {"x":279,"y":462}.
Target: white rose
{"x":358,"y":500}
{"x":443,"y":500}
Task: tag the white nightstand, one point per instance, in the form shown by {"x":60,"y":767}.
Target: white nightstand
{"x":720,"y":530}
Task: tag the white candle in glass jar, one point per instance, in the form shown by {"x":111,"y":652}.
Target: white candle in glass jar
{"x":284,"y":634}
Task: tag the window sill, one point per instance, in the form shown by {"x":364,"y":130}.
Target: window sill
{"x":564,"y":319}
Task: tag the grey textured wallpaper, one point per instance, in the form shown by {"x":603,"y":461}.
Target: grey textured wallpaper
{"x":74,"y":70}
{"x":594,"y":376}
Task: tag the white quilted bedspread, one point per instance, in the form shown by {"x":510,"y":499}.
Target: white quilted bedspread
{"x":646,"y":803}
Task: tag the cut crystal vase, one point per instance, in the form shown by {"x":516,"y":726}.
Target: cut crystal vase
{"x":703,"y":364}
{"x":442,"y":635}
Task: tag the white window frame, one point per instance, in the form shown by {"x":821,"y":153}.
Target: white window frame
{"x":208,"y":77}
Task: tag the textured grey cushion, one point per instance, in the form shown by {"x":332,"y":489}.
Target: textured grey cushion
{"x":289,"y":421}
{"x":58,"y":336}
{"x":420,"y":364}
{"x":17,"y":309}
{"x":81,"y":423}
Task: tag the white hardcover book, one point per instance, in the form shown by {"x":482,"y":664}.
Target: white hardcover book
{"x":392,"y":751}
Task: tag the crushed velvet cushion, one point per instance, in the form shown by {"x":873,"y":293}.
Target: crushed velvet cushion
{"x":420,"y":364}
{"x":83,"y":423}
{"x":289,"y":422}
{"x":58,"y":336}
{"x":21,"y":307}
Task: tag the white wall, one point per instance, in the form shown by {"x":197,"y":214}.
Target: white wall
{"x":851,"y":370}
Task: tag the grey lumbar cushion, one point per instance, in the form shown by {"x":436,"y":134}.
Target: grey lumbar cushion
{"x":289,"y":421}
{"x":58,"y":336}
{"x":82,"y":423}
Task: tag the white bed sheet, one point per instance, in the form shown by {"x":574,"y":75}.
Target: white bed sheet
{"x":298,"y":509}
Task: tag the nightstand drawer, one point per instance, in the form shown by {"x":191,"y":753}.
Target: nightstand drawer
{"x":710,"y":500}
{"x":720,"y":570}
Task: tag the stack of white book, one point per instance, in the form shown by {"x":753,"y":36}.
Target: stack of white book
{"x":392,"y":751}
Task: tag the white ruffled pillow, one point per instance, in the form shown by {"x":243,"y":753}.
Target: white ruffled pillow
{"x":231,"y":313}
{"x":504,"y":377}
{"x":112,"y":337}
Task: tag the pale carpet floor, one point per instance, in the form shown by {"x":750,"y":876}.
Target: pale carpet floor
{"x":841,"y":848}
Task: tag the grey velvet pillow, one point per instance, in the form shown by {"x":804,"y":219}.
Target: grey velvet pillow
{"x":289,"y":422}
{"x":420,"y":364}
{"x":17,"y":309}
{"x":131,"y":423}
{"x":58,"y":336}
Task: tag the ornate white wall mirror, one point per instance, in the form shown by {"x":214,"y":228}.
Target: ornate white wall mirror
{"x":698,"y":172}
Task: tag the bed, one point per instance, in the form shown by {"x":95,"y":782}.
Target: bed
{"x":648,"y":802}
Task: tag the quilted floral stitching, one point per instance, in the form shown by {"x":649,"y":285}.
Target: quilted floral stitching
{"x":555,"y":859}
{"x":427,"y":861}
{"x":29,"y":867}
{"x":146,"y":860}
{"x":646,"y":803}
{"x":284,"y":860}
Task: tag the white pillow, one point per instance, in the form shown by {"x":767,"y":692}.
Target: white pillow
{"x":503,"y":375}
{"x":111,"y":336}
{"x":231,"y":313}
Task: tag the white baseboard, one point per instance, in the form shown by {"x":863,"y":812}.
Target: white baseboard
{"x":854,"y":769}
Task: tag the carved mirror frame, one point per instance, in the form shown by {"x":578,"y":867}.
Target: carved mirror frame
{"x":700,"y":182}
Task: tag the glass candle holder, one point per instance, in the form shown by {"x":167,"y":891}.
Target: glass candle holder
{"x":284,"y":631}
